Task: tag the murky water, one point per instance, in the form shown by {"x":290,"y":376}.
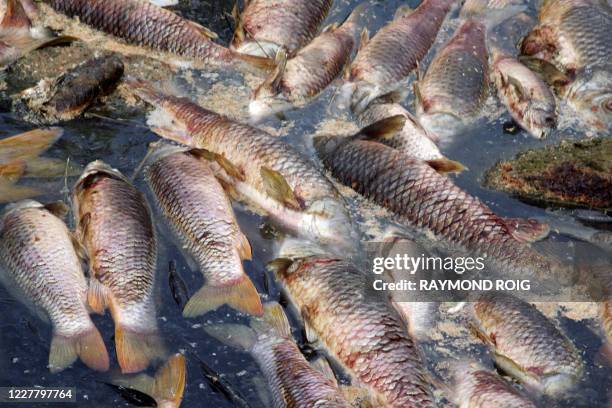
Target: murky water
{"x":24,"y":340}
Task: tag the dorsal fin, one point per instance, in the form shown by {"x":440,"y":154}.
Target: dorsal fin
{"x":364,"y":39}
{"x":383,"y":129}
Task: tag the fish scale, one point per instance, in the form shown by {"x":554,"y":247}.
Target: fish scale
{"x":290,"y":24}
{"x":395,"y":50}
{"x":456,"y":81}
{"x":142,"y":23}
{"x":360,"y":328}
{"x":39,"y":262}
{"x":419,"y":196}
{"x":520,"y":333}
{"x":114,"y":224}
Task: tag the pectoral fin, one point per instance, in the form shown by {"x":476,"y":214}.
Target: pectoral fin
{"x":278,"y":188}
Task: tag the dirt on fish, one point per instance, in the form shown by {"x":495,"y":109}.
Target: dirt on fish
{"x":571,"y":174}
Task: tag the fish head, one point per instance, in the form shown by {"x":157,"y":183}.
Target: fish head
{"x":539,"y":120}
{"x":327,"y":222}
{"x":591,"y":95}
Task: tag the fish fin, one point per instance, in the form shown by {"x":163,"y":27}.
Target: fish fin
{"x":393,"y":97}
{"x":403,"y":11}
{"x":279,"y":266}
{"x":98,"y":296}
{"x":31,"y":144}
{"x":206,"y":32}
{"x":259,"y":63}
{"x":364,"y":39}
{"x":383,"y":129}
{"x":547,"y":71}
{"x":87,"y":345}
{"x":225,"y":164}
{"x":278,"y":188}
{"x":490,"y":14}
{"x":169,"y":382}
{"x":418,"y":97}
{"x":311,"y":335}
{"x":242,"y":296}
{"x":137,"y":349}
{"x":526,"y":229}
{"x":235,"y":335}
{"x":322,"y":365}
{"x":330,"y":27}
{"x":45,"y":167}
{"x":478,"y":333}
{"x":57,"y":208}
{"x":13,"y":171}
{"x":274,"y":318}
{"x":274,"y":80}
{"x":244,"y":247}
{"x":239,"y":33}
{"x":445,"y":165}
{"x":10,"y":192}
{"x":15,"y":17}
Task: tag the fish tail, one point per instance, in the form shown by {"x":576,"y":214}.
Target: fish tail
{"x":274,"y":319}
{"x":87,"y":345}
{"x":490,"y":12}
{"x":241,"y":296}
{"x":169,"y":382}
{"x":235,"y":335}
{"x":136,"y":349}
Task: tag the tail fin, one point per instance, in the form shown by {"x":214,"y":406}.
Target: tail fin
{"x":166,"y":389}
{"x":169,"y":383}
{"x":137,"y":349}
{"x":275,"y":319}
{"x":87,"y":345}
{"x":242,"y":296}
{"x":235,"y":335}
{"x":491,"y":13}
{"x":15,"y":17}
{"x":30,"y":144}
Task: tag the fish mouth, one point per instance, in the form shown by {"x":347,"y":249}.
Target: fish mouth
{"x":539,"y":122}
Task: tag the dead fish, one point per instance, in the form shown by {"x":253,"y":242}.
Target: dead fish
{"x":140,"y":22}
{"x":165,"y":390}
{"x":201,"y":215}
{"x":67,"y":96}
{"x":20,"y":156}
{"x":572,"y":35}
{"x":38,"y":260}
{"x":528,"y":99}
{"x":420,"y":197}
{"x":259,"y":167}
{"x":412,"y":139}
{"x":358,"y":327}
{"x":455,"y":86}
{"x":383,"y":63}
{"x":113,"y":222}
{"x":293,"y":381}
{"x":476,"y":387}
{"x":298,"y":80}
{"x":265,"y":26}
{"x":18,"y":36}
{"x":527,"y":345}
